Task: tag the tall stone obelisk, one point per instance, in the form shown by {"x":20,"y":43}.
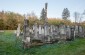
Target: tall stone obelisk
{"x":46,"y":4}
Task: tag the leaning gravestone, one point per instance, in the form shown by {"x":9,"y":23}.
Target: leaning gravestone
{"x":26,"y":40}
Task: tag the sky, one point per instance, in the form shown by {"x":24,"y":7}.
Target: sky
{"x":55,"y":7}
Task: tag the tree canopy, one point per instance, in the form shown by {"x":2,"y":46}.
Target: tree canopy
{"x":65,"y":14}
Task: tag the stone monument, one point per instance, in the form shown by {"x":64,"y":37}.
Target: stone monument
{"x":18,"y":30}
{"x":26,"y":39}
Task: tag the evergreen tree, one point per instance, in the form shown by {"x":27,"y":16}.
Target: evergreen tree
{"x":42,"y":17}
{"x":65,"y":14}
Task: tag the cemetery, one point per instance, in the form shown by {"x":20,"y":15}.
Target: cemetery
{"x":50,"y":33}
{"x":31,"y":36}
{"x":44,"y":34}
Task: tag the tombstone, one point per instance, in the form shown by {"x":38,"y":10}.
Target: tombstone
{"x":40,"y":30}
{"x":62,"y":33}
{"x":18,"y":30}
{"x":48,"y":37}
{"x":83,"y":32}
{"x":72,"y":33}
{"x":54,"y":33}
{"x":46,"y":29}
{"x":26,"y":40}
{"x":57,"y":32}
{"x":80,"y":31}
{"x":35,"y":31}
{"x":68,"y":33}
{"x":76,"y":31}
{"x":51,"y":30}
{"x":62,"y":29}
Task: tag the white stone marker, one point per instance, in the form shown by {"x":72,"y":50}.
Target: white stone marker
{"x":18,"y":30}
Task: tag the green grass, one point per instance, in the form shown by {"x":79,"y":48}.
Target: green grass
{"x":10,"y":46}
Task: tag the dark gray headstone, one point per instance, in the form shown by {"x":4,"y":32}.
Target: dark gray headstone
{"x":72,"y":33}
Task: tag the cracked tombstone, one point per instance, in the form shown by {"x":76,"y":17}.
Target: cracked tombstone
{"x":26,"y":40}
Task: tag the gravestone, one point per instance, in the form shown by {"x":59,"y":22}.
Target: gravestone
{"x":76,"y":30}
{"x":54,"y":33}
{"x":40,"y":30}
{"x":80,"y":31}
{"x":57,"y":33}
{"x":62,"y":29}
{"x":72,"y":33}
{"x":46,"y":29}
{"x":62,"y":32}
{"x":35,"y":31}
{"x":68,"y":33}
{"x":83,"y":32}
{"x":26,"y":40}
{"x":18,"y":30}
{"x":51,"y":30}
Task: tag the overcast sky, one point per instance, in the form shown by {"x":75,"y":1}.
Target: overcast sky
{"x":55,"y":7}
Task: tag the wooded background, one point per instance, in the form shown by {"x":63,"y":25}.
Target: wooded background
{"x":10,"y":20}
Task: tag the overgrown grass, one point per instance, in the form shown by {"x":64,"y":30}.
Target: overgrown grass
{"x":9,"y":45}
